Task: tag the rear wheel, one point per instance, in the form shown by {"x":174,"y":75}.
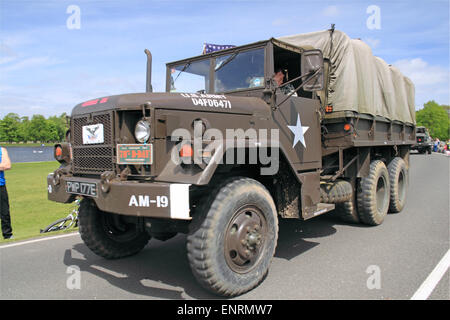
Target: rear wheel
{"x":373,"y":194}
{"x":234,"y":237}
{"x":342,"y":195}
{"x":398,"y":178}
{"x":347,"y":210}
{"x":109,"y":235}
{"x":336,"y":192}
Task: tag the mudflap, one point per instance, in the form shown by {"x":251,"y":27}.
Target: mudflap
{"x":310,"y":196}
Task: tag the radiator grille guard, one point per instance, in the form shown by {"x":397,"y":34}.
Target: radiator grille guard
{"x":96,"y":158}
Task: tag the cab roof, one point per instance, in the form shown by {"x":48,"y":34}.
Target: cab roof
{"x":258,"y":44}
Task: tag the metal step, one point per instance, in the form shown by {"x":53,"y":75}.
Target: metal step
{"x":320,"y":209}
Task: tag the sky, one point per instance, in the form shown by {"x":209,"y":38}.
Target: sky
{"x":55,"y":54}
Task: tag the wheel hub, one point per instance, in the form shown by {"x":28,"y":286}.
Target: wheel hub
{"x":244,"y":238}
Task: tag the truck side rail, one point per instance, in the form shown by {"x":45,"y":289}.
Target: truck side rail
{"x":348,"y":128}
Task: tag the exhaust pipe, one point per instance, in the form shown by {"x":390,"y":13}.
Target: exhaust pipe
{"x":148,"y":85}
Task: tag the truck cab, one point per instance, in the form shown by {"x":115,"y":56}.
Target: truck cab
{"x":423,"y":141}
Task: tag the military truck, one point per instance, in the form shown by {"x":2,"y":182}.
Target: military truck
{"x":224,"y":153}
{"x":423,"y":141}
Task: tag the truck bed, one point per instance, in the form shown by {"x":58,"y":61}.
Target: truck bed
{"x":365,"y":130}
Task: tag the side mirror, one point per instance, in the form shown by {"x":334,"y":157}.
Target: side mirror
{"x":311,"y":62}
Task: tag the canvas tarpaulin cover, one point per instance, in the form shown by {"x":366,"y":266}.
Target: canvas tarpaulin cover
{"x":359,"y":81}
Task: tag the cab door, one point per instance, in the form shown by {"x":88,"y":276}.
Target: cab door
{"x":299,"y":124}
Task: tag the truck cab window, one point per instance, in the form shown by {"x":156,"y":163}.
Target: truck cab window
{"x":190,"y":77}
{"x":290,"y":62}
{"x":239,"y":70}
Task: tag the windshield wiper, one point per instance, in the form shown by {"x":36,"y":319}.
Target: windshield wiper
{"x":223,"y":64}
{"x":182,"y":70}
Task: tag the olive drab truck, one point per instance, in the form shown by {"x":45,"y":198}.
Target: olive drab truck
{"x":224,"y":153}
{"x":423,"y":141}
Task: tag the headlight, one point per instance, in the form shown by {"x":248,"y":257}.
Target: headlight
{"x":142,"y":131}
{"x":62,"y":152}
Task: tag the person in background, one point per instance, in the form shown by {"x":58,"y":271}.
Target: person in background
{"x":5,"y":164}
{"x":436,"y":145}
{"x":279,"y":77}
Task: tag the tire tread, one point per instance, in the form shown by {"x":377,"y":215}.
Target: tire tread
{"x":197,"y":242}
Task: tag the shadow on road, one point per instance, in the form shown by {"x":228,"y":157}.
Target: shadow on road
{"x":417,"y":154}
{"x":162,"y":270}
{"x":292,"y":234}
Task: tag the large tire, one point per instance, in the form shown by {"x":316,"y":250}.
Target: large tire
{"x":233,"y":237}
{"x":107,"y":235}
{"x":373,"y":194}
{"x":347,"y":210}
{"x":335,"y":192}
{"x":398,"y":178}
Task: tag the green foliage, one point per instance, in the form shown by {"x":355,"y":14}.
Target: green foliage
{"x":9,"y":128}
{"x":436,"y":118}
{"x":16,"y":129}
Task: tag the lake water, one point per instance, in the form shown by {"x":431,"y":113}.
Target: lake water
{"x":30,"y":154}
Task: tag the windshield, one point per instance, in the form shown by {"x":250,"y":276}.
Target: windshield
{"x":420,"y":130}
{"x":240,"y":70}
{"x":235,"y":71}
{"x":190,"y":77}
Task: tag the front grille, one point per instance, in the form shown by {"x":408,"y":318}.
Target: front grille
{"x":97,"y":158}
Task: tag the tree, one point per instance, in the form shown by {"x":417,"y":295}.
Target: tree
{"x":16,"y":129}
{"x":9,"y":128}
{"x":24,"y":129}
{"x":60,"y":125}
{"x":39,"y":130}
{"x":434,"y":117}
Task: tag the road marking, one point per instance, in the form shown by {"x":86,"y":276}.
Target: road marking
{"x":110,"y":272}
{"x":38,"y":240}
{"x":433,"y":279}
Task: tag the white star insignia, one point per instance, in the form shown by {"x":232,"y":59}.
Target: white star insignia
{"x":299,"y":132}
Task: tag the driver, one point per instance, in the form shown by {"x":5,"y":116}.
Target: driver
{"x":279,"y":77}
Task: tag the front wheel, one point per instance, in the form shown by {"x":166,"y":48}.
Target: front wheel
{"x":234,"y":237}
{"x":109,"y":235}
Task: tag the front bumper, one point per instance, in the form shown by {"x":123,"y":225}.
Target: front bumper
{"x":133,"y":198}
{"x":420,"y":146}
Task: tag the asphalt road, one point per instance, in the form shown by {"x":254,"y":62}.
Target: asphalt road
{"x":318,"y":259}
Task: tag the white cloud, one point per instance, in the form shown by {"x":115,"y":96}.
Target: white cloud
{"x":29,"y":63}
{"x":431,"y":81}
{"x":53,"y":96}
{"x":421,"y":73}
{"x":4,"y":60}
{"x":18,"y":39}
{"x":331,"y":11}
{"x":6,"y":54}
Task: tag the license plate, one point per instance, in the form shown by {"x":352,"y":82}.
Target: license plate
{"x":93,"y":134}
{"x":134,"y":154}
{"x":82,"y":188}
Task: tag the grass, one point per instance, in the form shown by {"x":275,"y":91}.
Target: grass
{"x":29,"y":207}
{"x":12,"y":145}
